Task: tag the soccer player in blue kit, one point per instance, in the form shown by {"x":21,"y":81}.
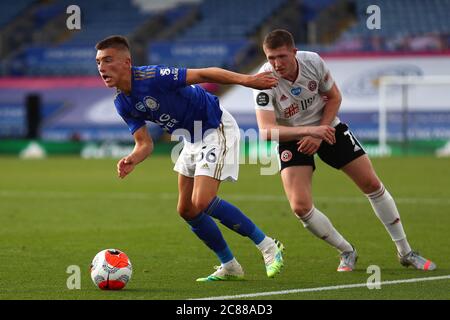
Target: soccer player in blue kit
{"x":168,"y":97}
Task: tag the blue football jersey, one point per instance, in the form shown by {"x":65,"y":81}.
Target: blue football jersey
{"x":159,"y":94}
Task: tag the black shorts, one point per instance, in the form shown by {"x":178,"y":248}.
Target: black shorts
{"x":346,"y":149}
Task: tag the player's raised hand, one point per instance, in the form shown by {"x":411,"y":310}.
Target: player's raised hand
{"x":124,"y":167}
{"x":261,"y":81}
{"x":323,"y":132}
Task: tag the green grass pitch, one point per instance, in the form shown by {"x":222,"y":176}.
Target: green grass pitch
{"x":59,"y":212}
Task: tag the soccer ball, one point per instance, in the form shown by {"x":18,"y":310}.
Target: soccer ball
{"x":111,"y":269}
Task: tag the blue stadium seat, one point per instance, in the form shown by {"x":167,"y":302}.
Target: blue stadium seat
{"x":229,"y":20}
{"x":400,"y":19}
{"x":99,"y":18}
{"x":406,"y":17}
{"x":11,"y":9}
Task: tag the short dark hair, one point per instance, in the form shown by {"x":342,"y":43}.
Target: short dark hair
{"x":278,"y":38}
{"x":117,"y":42}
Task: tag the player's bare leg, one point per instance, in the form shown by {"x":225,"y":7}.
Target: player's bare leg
{"x":297,"y":182}
{"x":362,"y":173}
{"x":185,"y":207}
{"x":204,"y":191}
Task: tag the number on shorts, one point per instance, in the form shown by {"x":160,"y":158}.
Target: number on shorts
{"x":349,"y":134}
{"x":210,"y":155}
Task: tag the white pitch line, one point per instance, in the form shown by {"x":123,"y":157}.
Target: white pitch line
{"x":231,"y":196}
{"x":347,"y":286}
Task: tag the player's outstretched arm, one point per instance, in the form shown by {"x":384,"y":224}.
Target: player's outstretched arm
{"x":270,"y":130}
{"x":261,"y":81}
{"x":142,"y":149}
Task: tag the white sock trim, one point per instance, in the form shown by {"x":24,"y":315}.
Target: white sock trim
{"x":229,"y":263}
{"x":377,"y":194}
{"x":265,"y":243}
{"x":307,"y":216}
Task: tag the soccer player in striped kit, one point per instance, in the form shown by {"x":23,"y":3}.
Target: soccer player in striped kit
{"x":306,"y":95}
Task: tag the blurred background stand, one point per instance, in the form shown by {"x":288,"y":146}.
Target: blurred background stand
{"x":33,"y":114}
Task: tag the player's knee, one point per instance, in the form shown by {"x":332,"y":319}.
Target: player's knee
{"x":187,"y":212}
{"x":201,"y":203}
{"x":301,"y":208}
{"x":371,"y":185}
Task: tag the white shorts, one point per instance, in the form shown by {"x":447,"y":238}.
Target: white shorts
{"x":216,"y":156}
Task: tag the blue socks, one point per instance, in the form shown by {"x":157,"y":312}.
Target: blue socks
{"x":234,"y":219}
{"x":206,"y":229}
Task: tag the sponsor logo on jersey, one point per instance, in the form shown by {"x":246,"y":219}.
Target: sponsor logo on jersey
{"x":262,"y":99}
{"x":312,"y":85}
{"x":296,"y":91}
{"x":167,"y":71}
{"x":140,"y":106}
{"x":175,"y":74}
{"x":166,"y":122}
{"x":286,"y":156}
{"x":292,"y":110}
{"x":307,"y":102}
{"x":164,"y":72}
{"x":151,"y":103}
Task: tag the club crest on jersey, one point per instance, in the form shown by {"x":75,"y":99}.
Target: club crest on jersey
{"x":296,"y":91}
{"x":140,"y":106}
{"x":286,"y":156}
{"x":312,"y":85}
{"x":151,"y":103}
